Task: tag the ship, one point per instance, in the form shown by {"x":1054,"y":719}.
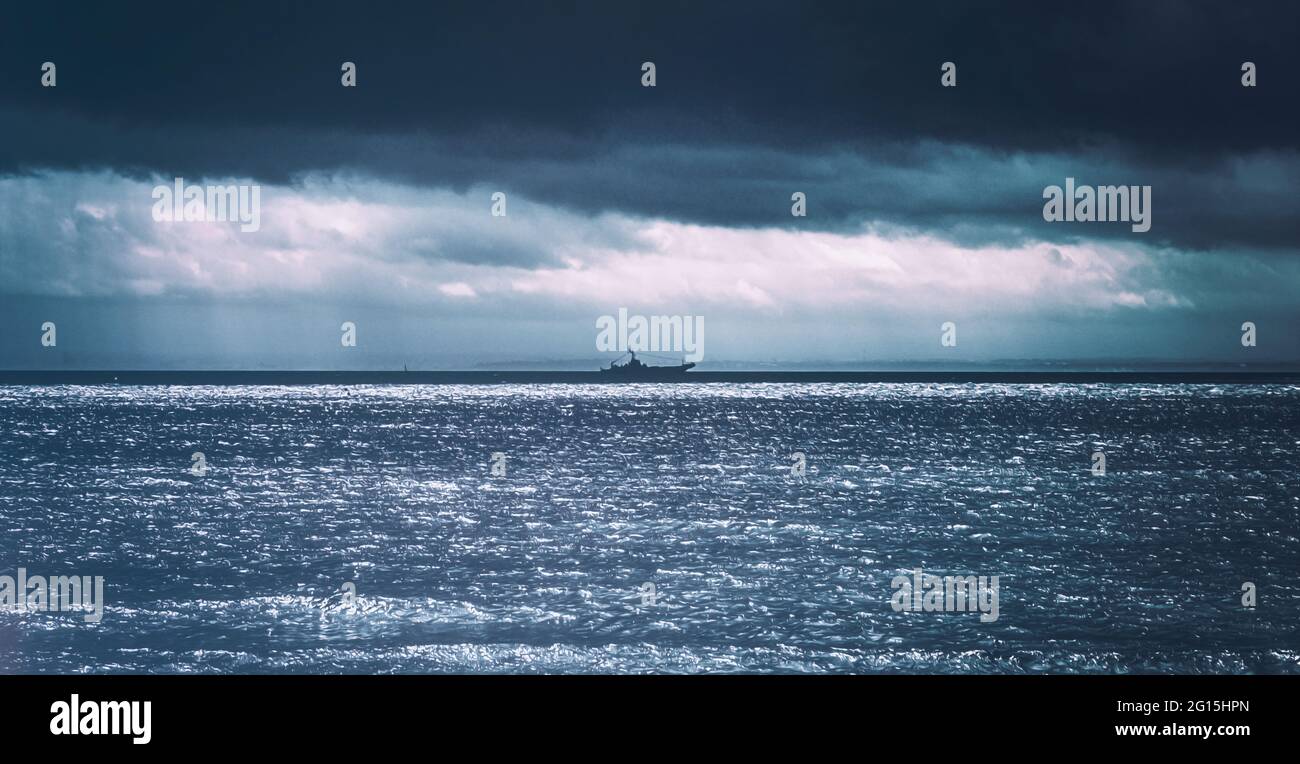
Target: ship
{"x":635,"y":369}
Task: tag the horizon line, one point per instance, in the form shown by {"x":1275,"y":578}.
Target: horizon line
{"x":268,"y":377}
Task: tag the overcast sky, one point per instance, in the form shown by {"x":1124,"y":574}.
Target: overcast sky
{"x":924,"y":203}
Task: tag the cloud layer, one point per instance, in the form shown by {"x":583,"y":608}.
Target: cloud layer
{"x":924,"y":203}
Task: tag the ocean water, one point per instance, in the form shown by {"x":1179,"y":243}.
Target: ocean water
{"x":688,"y":488}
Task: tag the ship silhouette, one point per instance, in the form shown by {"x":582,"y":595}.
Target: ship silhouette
{"x":635,"y":369}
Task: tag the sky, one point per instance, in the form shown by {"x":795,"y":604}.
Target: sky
{"x":924,"y":203}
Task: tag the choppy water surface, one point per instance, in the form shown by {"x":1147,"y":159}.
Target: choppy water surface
{"x":688,"y":487}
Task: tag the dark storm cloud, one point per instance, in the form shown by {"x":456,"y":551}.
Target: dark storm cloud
{"x":837,"y":99}
{"x":968,"y":194}
{"x":1162,"y":75}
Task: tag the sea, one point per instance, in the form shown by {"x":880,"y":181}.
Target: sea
{"x":644,"y":528}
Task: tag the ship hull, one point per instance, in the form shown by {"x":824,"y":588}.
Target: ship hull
{"x":649,"y":372}
{"x":635,"y":371}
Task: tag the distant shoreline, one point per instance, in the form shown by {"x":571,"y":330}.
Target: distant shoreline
{"x":187,"y":378}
